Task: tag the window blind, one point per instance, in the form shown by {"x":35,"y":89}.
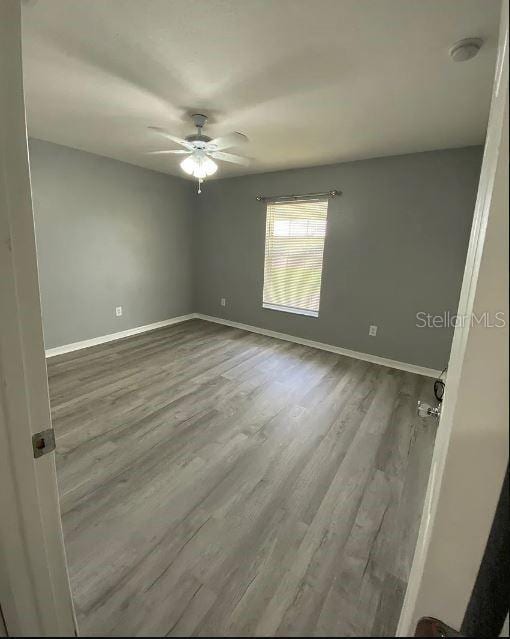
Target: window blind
{"x":295,"y":234}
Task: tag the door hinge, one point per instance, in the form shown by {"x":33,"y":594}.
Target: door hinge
{"x":43,"y":442}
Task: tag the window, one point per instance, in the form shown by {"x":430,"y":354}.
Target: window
{"x":295,"y":233}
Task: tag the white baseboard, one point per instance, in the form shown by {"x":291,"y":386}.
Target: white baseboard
{"x":374,"y":359}
{"x":76,"y":346}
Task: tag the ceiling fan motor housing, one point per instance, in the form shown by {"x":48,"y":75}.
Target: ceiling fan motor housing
{"x":200,"y":140}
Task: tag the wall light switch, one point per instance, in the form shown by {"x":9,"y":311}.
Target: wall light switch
{"x":372,"y":331}
{"x":223,"y":301}
{"x":118,"y":311}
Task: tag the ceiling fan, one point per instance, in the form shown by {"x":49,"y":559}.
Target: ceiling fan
{"x":201,"y":150}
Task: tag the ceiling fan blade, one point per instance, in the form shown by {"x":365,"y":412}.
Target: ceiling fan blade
{"x":227,"y":141}
{"x":174,"y":138}
{"x":230,"y":157}
{"x":173,"y":151}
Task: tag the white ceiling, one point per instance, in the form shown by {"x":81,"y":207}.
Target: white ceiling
{"x":309,"y":81}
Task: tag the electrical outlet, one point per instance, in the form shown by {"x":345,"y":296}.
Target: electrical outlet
{"x":372,"y":331}
{"x":223,"y":301}
{"x":118,"y":311}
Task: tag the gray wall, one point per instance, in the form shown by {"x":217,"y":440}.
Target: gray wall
{"x":108,"y":234}
{"x":396,"y":245}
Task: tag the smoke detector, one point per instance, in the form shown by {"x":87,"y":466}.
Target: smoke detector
{"x":465,"y":49}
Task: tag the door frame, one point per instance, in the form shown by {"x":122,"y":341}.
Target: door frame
{"x":35,"y":595}
{"x":471,"y":452}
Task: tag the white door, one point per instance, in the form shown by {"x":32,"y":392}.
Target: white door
{"x":471,"y":452}
{"x":35,"y":597}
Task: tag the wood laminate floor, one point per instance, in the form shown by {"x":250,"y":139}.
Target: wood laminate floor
{"x":216,"y":482}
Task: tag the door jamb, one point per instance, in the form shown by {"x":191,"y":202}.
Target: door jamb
{"x":35,"y":594}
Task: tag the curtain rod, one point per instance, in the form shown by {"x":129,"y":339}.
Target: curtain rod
{"x":291,"y":198}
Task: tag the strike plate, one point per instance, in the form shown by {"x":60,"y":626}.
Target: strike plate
{"x":43,"y":442}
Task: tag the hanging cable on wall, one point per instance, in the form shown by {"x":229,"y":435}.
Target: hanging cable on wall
{"x":439,"y":386}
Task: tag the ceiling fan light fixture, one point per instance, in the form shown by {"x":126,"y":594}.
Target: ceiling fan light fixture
{"x":210,"y":166}
{"x":199,"y":172}
{"x":188,"y":165}
{"x":199,"y":166}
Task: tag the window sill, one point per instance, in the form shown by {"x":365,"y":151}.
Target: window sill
{"x":289,"y":309}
